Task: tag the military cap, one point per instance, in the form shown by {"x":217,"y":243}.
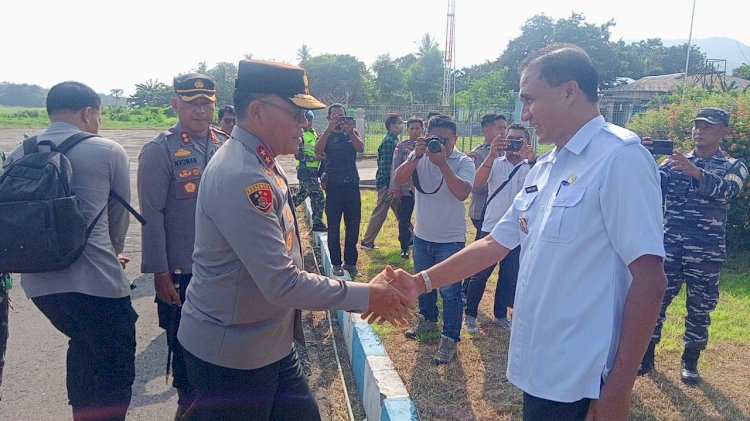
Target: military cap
{"x":195,"y":85}
{"x":284,"y":80}
{"x":713,"y":116}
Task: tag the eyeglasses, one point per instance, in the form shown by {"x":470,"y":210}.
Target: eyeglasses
{"x":298,"y":114}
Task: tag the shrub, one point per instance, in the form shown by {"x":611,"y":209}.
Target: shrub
{"x":674,"y":121}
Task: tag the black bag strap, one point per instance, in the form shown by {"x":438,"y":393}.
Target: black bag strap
{"x":130,"y":209}
{"x":512,"y":173}
{"x":415,"y":179}
{"x":30,"y":146}
{"x":68,"y":143}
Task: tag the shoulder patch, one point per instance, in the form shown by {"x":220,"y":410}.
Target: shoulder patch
{"x":260,"y":196}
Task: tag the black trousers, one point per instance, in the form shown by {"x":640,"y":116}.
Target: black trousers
{"x":405,"y":210}
{"x":343,"y":200}
{"x":538,"y":409}
{"x":169,"y":320}
{"x":278,"y":391}
{"x":101,"y":351}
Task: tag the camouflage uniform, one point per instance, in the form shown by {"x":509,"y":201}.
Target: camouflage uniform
{"x":695,"y":224}
{"x":307,"y":175}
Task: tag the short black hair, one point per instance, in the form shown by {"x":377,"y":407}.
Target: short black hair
{"x":442,"y":121}
{"x":414,"y":119}
{"x":521,"y":127}
{"x":336,"y":105}
{"x":491,"y":118}
{"x":391,"y":119}
{"x":71,"y":96}
{"x":560,"y":63}
{"x":226,"y":109}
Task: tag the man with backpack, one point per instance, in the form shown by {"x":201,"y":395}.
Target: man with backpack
{"x":89,"y":299}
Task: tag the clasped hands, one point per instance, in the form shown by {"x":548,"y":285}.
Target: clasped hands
{"x":392,"y":296}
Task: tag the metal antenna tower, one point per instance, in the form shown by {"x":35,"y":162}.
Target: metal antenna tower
{"x":449,"y":71}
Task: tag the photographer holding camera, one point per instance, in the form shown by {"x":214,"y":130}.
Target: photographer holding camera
{"x":696,"y":187}
{"x":502,"y":173}
{"x":442,"y":181}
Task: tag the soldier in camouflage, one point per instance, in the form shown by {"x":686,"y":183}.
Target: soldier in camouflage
{"x":696,"y":187}
{"x":307,"y":174}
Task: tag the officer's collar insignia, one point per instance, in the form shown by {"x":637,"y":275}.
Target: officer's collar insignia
{"x":185,"y":138}
{"x":269,"y":172}
{"x":261,"y":197}
{"x":265,"y":156}
{"x":280,"y":182}
{"x":214,"y":138}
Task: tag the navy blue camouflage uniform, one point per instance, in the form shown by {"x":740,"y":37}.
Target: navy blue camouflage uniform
{"x":694,"y":237}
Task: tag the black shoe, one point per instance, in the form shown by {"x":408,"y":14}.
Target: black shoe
{"x":405,"y":253}
{"x":337,"y":270}
{"x":367,"y":246}
{"x":689,"y":366}
{"x":352,"y":269}
{"x":320,"y":227}
{"x":647,"y":363}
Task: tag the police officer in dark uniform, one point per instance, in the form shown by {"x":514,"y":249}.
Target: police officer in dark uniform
{"x":169,"y":173}
{"x":697,"y":187}
{"x":308,"y":163}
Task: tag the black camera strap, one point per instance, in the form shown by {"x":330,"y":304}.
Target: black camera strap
{"x":512,"y":173}
{"x":415,"y":179}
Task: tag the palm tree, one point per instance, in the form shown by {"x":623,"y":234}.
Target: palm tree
{"x":425,"y":45}
{"x":304,"y":53}
{"x":117,"y":94}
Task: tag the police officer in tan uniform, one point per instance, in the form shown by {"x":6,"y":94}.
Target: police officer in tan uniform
{"x":169,"y":173}
{"x":241,"y":312}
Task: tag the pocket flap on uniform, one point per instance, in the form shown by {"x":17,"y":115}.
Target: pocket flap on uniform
{"x":568,"y":196}
{"x":524,"y":201}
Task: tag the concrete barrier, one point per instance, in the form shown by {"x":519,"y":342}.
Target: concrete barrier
{"x":379,"y":387}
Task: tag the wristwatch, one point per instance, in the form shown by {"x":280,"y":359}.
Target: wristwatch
{"x":427,"y":281}
{"x":413,"y":156}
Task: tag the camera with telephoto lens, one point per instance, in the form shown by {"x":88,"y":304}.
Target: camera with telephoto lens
{"x":435,"y":144}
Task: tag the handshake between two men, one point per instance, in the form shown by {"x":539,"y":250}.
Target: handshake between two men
{"x":392,"y":296}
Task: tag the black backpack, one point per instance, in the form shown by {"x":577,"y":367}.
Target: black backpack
{"x":42,"y":226}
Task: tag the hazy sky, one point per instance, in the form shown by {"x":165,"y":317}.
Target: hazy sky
{"x":110,"y":45}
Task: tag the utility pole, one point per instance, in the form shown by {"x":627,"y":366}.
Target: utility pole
{"x":449,"y":83}
{"x":687,"y":56}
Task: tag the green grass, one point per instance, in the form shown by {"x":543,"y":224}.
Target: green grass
{"x":730,"y":321}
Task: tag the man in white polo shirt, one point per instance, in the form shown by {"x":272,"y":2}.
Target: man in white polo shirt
{"x":591,"y":278}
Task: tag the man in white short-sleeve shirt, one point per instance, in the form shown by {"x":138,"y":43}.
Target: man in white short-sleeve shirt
{"x":589,"y":223}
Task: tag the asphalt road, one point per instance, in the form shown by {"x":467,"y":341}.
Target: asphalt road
{"x":34,"y":381}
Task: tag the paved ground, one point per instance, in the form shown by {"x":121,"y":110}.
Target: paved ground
{"x":34,"y":383}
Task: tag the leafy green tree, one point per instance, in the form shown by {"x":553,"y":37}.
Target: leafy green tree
{"x":487,"y":90}
{"x":117,"y":94}
{"x":540,"y":31}
{"x":389,"y":80}
{"x":743,"y":71}
{"x":425,"y":77}
{"x":426,"y":45}
{"x":224,"y":74}
{"x":151,"y":94}
{"x":337,"y":78}
{"x":22,"y":95}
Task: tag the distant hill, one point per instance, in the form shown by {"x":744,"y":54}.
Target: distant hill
{"x":731,"y":50}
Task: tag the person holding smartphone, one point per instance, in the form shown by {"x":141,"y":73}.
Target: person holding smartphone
{"x":696,"y":187}
{"x":340,"y":143}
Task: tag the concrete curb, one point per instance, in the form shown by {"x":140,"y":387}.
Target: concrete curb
{"x":380,"y":388}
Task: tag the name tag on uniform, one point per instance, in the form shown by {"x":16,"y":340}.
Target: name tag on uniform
{"x":531,"y":189}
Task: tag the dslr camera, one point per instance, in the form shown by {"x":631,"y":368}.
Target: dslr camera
{"x":434,"y":144}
